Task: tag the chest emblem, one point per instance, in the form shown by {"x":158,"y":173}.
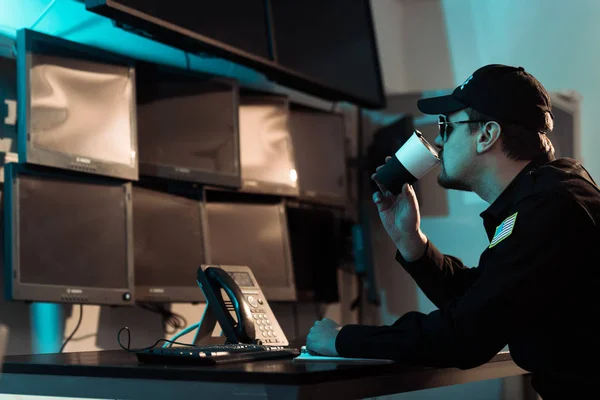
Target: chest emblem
{"x":503,"y":230}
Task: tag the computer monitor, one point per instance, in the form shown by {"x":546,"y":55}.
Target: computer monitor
{"x":169,"y":245}
{"x":267,"y":154}
{"x":316,"y":244}
{"x":220,"y":27}
{"x":319,"y":152}
{"x":331,"y":43}
{"x":187,"y":126}
{"x":76,"y":107}
{"x":67,"y":238}
{"x":255,"y":235}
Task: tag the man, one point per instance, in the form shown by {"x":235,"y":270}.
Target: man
{"x":536,"y":285}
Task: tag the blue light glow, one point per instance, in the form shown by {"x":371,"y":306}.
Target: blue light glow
{"x":46,"y":326}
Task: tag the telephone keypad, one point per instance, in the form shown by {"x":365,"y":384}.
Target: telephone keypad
{"x":262,"y":321}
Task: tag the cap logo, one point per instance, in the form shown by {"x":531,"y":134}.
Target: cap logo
{"x":465,"y":83}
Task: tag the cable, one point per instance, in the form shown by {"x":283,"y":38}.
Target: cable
{"x":184,"y":332}
{"x":170,"y":319}
{"x":197,"y":331}
{"x":128,"y":348}
{"x":74,"y":330}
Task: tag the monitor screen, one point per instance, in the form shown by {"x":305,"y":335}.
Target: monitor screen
{"x":80,"y":110}
{"x":188,"y":126}
{"x":319,"y":149}
{"x":169,"y":246}
{"x":310,"y":38}
{"x":71,"y":238}
{"x":267,"y":156}
{"x":239,"y":24}
{"x":254,"y":235}
{"x":316,"y":243}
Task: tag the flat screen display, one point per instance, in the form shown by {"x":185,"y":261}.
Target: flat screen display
{"x":189,"y":125}
{"x":254,"y":235}
{"x":319,"y":149}
{"x":81,"y":108}
{"x":315,"y":240}
{"x":169,"y":245}
{"x":331,"y":42}
{"x":267,"y":156}
{"x":72,"y":233}
{"x":240,"y":24}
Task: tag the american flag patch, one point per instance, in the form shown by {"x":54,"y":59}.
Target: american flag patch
{"x":503,"y":230}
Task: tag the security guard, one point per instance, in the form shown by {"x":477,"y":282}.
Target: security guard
{"x":536,"y":286}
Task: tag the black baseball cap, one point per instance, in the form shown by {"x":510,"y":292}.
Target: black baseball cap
{"x":501,"y":91}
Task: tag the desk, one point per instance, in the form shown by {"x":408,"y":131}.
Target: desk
{"x":116,"y":374}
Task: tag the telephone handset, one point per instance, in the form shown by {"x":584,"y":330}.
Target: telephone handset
{"x":218,"y":279}
{"x":256,"y":322}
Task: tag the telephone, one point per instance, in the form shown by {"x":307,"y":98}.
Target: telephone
{"x":254,"y":321}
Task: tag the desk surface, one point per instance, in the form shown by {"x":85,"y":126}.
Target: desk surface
{"x":121,"y":364}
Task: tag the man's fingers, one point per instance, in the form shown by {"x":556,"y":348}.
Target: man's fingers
{"x":379,"y":185}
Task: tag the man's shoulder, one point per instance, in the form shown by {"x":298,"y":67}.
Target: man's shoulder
{"x":564,"y":186}
{"x":563,"y":176}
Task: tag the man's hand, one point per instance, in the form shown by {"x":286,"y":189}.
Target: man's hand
{"x":401,"y":218}
{"x":321,"y":338}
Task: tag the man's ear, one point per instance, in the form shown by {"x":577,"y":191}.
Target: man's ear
{"x":488,"y":136}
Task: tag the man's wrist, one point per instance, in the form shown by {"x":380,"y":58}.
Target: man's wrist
{"x":412,"y":247}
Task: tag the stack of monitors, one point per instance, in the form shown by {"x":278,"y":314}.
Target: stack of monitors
{"x":319,"y":152}
{"x":68,"y":238}
{"x":254,"y":235}
{"x":187,"y":126}
{"x":76,"y":107}
{"x":169,"y":243}
{"x":267,"y":154}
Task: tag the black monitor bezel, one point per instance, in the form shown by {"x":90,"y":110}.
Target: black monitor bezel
{"x":173,"y":294}
{"x":162,"y":31}
{"x":18,"y":291}
{"x":265,"y":187}
{"x":28,"y":152}
{"x":197,"y":175}
{"x":284,"y":294}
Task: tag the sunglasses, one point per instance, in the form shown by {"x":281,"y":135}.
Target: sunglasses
{"x":445,"y":126}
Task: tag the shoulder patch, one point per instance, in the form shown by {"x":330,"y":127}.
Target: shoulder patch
{"x":503,"y":230}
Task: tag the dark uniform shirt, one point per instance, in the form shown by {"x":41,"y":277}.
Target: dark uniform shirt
{"x":536,"y":288}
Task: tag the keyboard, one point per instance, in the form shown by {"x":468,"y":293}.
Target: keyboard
{"x":214,"y":354}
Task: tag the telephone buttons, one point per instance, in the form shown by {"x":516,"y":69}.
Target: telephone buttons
{"x":252,"y":301}
{"x":260,"y":301}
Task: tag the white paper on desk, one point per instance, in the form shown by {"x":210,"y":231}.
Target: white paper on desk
{"x":308,"y":358}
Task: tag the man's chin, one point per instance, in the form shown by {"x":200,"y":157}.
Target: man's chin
{"x":452,"y":184}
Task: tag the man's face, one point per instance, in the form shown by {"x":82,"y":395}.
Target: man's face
{"x":457,"y":152}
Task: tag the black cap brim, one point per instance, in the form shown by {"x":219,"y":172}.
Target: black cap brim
{"x":440,"y":105}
